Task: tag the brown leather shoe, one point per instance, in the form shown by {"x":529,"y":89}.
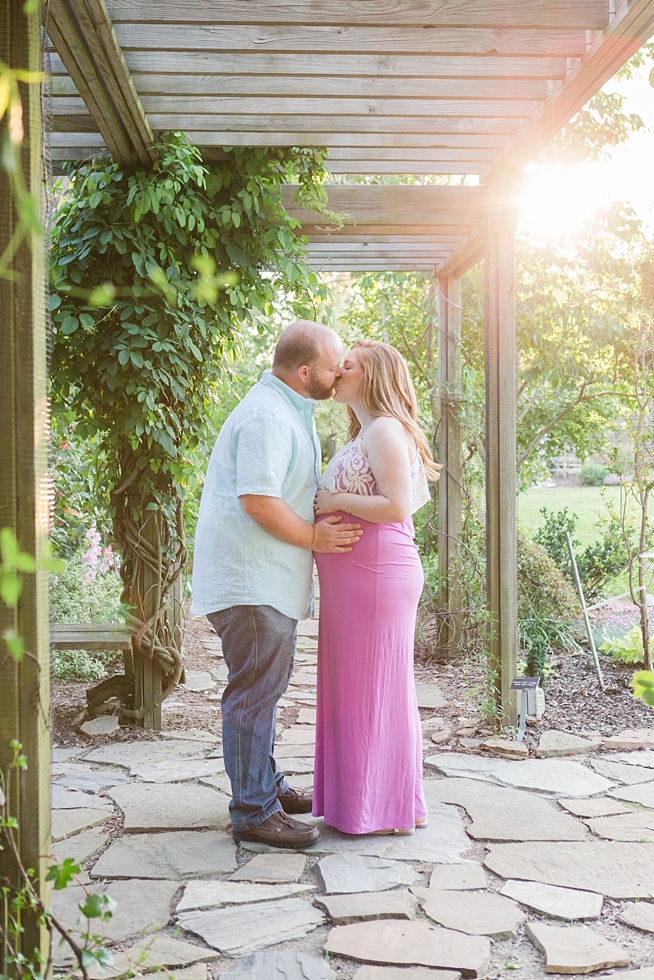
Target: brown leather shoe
{"x":295,"y":800}
{"x":280,"y":831}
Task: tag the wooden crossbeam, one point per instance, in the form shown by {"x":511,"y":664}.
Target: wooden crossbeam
{"x":387,"y":265}
{"x":581,"y":14}
{"x":350,"y":66}
{"x":404,"y":141}
{"x":300,"y":39}
{"x":396,"y":204}
{"x":456,"y":166}
{"x":85,"y":41}
{"x":466,"y":255}
{"x":317,"y":127}
{"x":631,"y":26}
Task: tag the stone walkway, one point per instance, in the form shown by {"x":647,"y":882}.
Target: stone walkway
{"x":541,"y":865}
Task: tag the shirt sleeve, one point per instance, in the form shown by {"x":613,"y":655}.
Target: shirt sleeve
{"x":263,"y":455}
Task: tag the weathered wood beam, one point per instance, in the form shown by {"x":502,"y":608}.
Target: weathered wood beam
{"x":501,"y":488}
{"x":372,"y":140}
{"x":417,"y":155}
{"x":299,"y":106}
{"x":631,"y":26}
{"x":388,"y":266}
{"x":301,"y":39}
{"x":84,"y":38}
{"x":24,"y":507}
{"x":449,"y":455}
{"x":406,"y":167}
{"x":316,"y":127}
{"x":349,"y":66}
{"x":468,"y":254}
{"x":415,"y":231}
{"x":387,"y":241}
{"x":394,"y":204}
{"x":582,"y":14}
{"x":278,"y":86}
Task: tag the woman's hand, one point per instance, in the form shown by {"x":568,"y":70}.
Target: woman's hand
{"x":326,"y":502}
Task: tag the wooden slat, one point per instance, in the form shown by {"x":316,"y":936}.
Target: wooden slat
{"x":349,"y":66}
{"x":377,"y":108}
{"x":627,"y":31}
{"x":417,"y":231}
{"x":581,"y":14}
{"x":407,"y":167}
{"x":354,"y":266}
{"x":381,"y":87}
{"x":334,"y":40}
{"x":468,"y":254}
{"x":390,"y":204}
{"x":451,"y":241}
{"x":408,"y":141}
{"x":339,"y":247}
{"x":316,"y":127}
{"x":85,"y":41}
{"x":397,"y":153}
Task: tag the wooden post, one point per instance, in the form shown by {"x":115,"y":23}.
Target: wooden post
{"x":449,"y":452}
{"x":148,"y":682}
{"x":500,"y":355}
{"x":24,"y":686}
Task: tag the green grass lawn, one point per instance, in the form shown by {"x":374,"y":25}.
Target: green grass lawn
{"x":588,"y":503}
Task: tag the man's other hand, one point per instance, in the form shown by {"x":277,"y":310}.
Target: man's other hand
{"x":331,"y":537}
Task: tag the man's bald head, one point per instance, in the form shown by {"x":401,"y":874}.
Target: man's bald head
{"x":301,"y":344}
{"x":307,"y":358}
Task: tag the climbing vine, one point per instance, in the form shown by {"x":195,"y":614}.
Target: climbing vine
{"x":153,"y":274}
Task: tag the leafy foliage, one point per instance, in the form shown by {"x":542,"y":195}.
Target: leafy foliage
{"x":643,"y":686}
{"x":598,"y":563}
{"x":592,"y":474}
{"x":145,"y":325}
{"x":628,"y":648}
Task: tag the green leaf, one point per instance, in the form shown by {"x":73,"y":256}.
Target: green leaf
{"x":15,"y":644}
{"x":62,"y":874}
{"x":69,"y":325}
{"x":10,"y":588}
{"x":9,"y":548}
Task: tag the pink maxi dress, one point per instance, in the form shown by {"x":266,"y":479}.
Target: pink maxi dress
{"x":368,"y":769}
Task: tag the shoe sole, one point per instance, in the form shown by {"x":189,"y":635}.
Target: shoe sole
{"x":287,"y":845}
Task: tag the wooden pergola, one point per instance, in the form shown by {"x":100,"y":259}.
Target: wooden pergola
{"x":461,"y":87}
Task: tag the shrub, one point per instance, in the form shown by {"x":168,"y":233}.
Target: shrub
{"x":75,"y":597}
{"x":592,"y":474}
{"x":598,"y":563}
{"x":628,"y":648}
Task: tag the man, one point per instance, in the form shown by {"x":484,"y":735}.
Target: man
{"x":253,"y":566}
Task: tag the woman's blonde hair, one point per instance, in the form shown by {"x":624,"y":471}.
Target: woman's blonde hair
{"x":387,"y":390}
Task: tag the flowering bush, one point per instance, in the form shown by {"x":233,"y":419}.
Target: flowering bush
{"x":97,"y":559}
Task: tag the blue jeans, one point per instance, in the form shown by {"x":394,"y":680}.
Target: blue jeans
{"x":259,"y":650}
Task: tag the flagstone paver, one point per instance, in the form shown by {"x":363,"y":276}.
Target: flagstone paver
{"x":575,"y":949}
{"x":141,"y":906}
{"x":151,"y":953}
{"x":600,"y":807}
{"x":638,"y":826}
{"x":306,"y":716}
{"x":213,"y":894}
{"x":248,"y":928}
{"x":278,"y":866}
{"x":180,"y":854}
{"x":412,"y":944}
{"x":369,"y":905}
{"x":643,"y":794}
{"x":504,"y":814}
{"x":198,"y":681}
{"x":297,"y":736}
{"x":190,"y":735}
{"x":458,"y":877}
{"x":620,"y":772}
{"x":103,"y":725}
{"x":643,"y":758}
{"x":73,"y":799}
{"x":475,"y":913}
{"x":130,"y":754}
{"x":80,"y":847}
{"x":640,"y":915}
{"x":179,"y":770}
{"x":554,"y":777}
{"x":443,"y":841}
{"x":368,"y":972}
{"x":65,"y":823}
{"x":170,"y":807}
{"x":639,"y":738}
{"x":285,"y":965}
{"x":505,"y":748}
{"x":350,"y":873}
{"x":557,"y":903}
{"x":220,"y":782}
{"x":295,"y":765}
{"x":615,"y":869}
{"x":87,"y":780}
{"x":553,"y":743}
{"x":294,"y":753}
{"x":429,"y":696}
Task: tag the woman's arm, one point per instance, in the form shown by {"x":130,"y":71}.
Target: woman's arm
{"x":387,"y":449}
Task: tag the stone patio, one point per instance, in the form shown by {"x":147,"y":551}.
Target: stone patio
{"x":516,"y":854}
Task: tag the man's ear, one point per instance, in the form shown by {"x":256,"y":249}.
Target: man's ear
{"x":304,"y":373}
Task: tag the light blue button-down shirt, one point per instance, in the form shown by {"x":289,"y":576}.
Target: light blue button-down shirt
{"x":268,"y":446}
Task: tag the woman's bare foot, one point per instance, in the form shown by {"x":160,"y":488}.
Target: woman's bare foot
{"x":397,"y":833}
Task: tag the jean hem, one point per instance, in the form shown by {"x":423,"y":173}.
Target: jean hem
{"x":275,"y":807}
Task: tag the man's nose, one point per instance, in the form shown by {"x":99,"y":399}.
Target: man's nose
{"x":339,"y":371}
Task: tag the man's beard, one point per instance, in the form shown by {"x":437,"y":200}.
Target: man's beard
{"x":318,"y":390}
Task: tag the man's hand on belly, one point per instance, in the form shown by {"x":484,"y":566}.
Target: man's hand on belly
{"x":277,"y":518}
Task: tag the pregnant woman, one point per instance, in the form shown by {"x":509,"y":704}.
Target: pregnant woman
{"x":368,"y":772}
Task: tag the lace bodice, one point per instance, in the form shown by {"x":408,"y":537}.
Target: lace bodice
{"x":349,"y":472}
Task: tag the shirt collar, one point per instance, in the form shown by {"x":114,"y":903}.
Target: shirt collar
{"x":302,"y":404}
